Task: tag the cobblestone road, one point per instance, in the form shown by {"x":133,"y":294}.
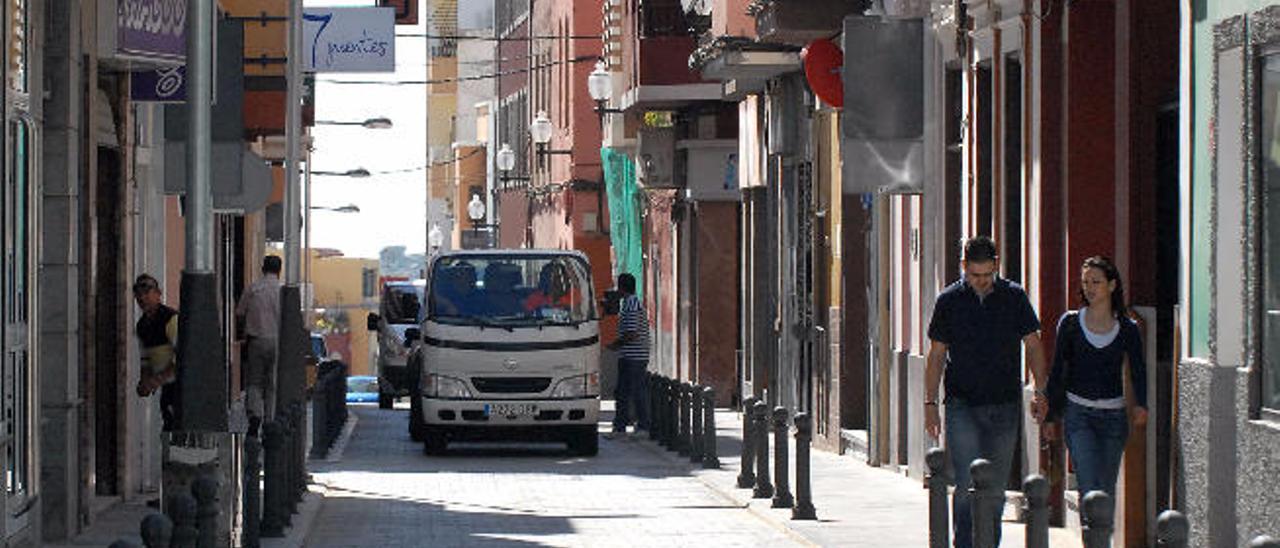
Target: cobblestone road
{"x":385,"y":493}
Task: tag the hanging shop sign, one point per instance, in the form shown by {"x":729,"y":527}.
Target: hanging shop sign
{"x":349,"y":40}
{"x":164,"y":85}
{"x":151,"y":29}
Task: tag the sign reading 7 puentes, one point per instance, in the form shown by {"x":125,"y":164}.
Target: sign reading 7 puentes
{"x":349,"y":39}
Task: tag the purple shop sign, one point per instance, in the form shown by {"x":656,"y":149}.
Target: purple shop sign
{"x":166,"y":85}
{"x":152,"y":29}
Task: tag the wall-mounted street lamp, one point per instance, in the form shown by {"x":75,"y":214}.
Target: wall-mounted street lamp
{"x":357,"y":173}
{"x":380,"y":122}
{"x":540,"y":131}
{"x":600,"y":86}
{"x":349,"y":208}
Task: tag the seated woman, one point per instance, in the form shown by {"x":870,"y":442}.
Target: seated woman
{"x":553,"y":289}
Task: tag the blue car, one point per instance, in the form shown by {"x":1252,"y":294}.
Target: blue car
{"x":362,"y":389}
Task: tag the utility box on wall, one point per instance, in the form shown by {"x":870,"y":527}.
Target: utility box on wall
{"x":655,"y":160}
{"x":710,"y":169}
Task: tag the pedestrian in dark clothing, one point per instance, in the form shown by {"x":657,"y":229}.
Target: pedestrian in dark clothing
{"x":979,"y":326}
{"x":632,"y":346}
{"x":157,"y":332}
{"x":1086,"y":384}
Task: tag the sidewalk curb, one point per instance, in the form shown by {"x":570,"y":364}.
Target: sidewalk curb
{"x":308,"y":509}
{"x":340,"y":443}
{"x":730,"y":494}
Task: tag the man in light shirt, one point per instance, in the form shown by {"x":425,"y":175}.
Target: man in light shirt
{"x":259,"y":310}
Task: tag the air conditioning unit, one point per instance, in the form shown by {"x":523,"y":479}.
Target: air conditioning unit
{"x":655,"y":158}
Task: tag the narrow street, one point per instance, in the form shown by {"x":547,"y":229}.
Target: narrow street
{"x":384,"y":492}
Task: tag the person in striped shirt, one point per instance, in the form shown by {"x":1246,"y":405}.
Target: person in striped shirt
{"x":632,"y":346}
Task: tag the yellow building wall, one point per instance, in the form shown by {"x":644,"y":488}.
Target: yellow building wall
{"x":338,"y":284}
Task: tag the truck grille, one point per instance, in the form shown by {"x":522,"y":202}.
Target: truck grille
{"x":511,"y":385}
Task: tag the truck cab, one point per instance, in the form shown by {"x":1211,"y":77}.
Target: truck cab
{"x":398,"y":315}
{"x":509,"y":349}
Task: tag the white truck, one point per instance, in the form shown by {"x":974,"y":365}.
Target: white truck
{"x":508,"y":348}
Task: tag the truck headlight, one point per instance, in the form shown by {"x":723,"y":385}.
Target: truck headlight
{"x":440,"y":386}
{"x":578,"y":386}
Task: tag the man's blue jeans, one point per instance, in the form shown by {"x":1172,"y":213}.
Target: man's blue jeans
{"x":1095,"y":439}
{"x":978,"y":431}
{"x":631,"y":392}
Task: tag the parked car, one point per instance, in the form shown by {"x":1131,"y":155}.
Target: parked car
{"x":362,"y":389}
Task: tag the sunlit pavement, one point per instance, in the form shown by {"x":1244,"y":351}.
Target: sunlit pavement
{"x":384,"y":492}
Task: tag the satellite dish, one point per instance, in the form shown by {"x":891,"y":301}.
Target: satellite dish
{"x":822,"y":63}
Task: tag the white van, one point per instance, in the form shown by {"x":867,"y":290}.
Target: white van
{"x":509,"y":349}
{"x":400,"y":311}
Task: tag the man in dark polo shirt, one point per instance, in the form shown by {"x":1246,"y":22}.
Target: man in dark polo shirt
{"x":979,"y":326}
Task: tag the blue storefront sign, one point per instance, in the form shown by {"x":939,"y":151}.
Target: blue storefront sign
{"x":166,"y":85}
{"x":152,"y":29}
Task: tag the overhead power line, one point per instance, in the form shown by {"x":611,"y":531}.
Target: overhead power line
{"x":578,"y":59}
{"x":495,"y":39}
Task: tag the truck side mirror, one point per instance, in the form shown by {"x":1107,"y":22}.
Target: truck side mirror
{"x":373,"y":321}
{"x":411,"y":334}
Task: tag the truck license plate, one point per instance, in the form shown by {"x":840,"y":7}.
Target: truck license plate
{"x":511,"y":409}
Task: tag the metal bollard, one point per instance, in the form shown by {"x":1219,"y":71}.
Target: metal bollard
{"x":655,"y":418}
{"x":695,"y":423}
{"x":710,"y":458}
{"x":1036,"y":491}
{"x":1097,"y":519}
{"x":205,"y":491}
{"x":299,"y":452}
{"x":939,"y":519}
{"x":760,"y":425}
{"x":670,"y":422}
{"x":272,"y":491}
{"x":252,"y":492}
{"x":682,"y":440}
{"x":1264,"y":541}
{"x":289,"y":469}
{"x":156,"y":531}
{"x":320,"y":408}
{"x":1172,"y":529}
{"x":183,"y":510}
{"x":985,"y":519}
{"x":804,"y":495}
{"x":747,"y":475}
{"x":781,"y":469}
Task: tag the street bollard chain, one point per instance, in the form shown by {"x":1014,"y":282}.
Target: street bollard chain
{"x":781,"y":470}
{"x":1097,"y":519}
{"x":939,"y":521}
{"x":760,"y":426}
{"x":710,"y":454}
{"x":803,"y":509}
{"x":1036,"y":491}
{"x":747,"y":475}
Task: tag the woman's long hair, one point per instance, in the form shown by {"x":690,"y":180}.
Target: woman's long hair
{"x":1109,"y":270}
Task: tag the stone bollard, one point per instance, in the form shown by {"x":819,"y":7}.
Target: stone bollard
{"x":985,"y":519}
{"x":252,"y":492}
{"x":1097,"y":519}
{"x":760,"y":427}
{"x":272,"y":491}
{"x":695,"y":423}
{"x":939,"y":520}
{"x":1264,"y":541}
{"x":710,"y":454}
{"x":682,"y":439}
{"x":747,"y":475}
{"x":781,"y":468}
{"x":804,"y":495}
{"x":205,"y":491}
{"x":156,"y":531}
{"x":320,"y":408}
{"x":183,"y":512}
{"x":1172,"y":529}
{"x":1036,"y":493}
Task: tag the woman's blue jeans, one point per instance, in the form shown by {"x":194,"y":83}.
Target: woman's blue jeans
{"x":978,"y":431}
{"x":1096,"y":440}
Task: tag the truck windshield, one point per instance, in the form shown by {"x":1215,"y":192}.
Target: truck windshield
{"x":511,"y":290}
{"x":402,"y":303}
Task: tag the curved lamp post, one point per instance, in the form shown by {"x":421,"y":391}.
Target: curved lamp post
{"x":540,"y":130}
{"x":600,"y":86}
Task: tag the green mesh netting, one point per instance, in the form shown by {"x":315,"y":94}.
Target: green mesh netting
{"x":624,"y":214}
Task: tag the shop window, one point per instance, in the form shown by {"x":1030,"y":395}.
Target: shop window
{"x":19,"y":244}
{"x":1269,"y":156}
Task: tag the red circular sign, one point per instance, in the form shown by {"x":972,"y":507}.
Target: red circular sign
{"x":822,"y":62}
